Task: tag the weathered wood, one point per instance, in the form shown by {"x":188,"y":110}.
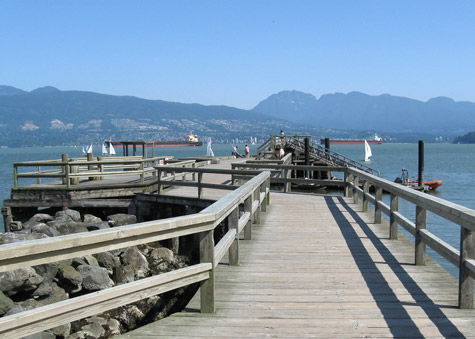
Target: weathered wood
{"x":207,"y":289}
{"x":420,"y":246}
{"x":233,"y":224}
{"x":466,"y":281}
{"x":377,"y":207}
{"x":364,"y":197}
{"x":223,"y":246}
{"x":249,"y":214}
{"x":393,"y":225}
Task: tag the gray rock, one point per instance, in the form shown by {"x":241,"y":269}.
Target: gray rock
{"x":45,"y":229}
{"x":112,"y":327}
{"x":66,"y":226}
{"x":72,"y":214}
{"x":47,"y":271}
{"x":94,"y":278}
{"x":121,"y":219}
{"x":6,"y":304}
{"x":61,"y":331}
{"x":91,"y":219}
{"x":108,"y":261}
{"x":12,"y":237}
{"x":123,"y":274}
{"x":97,"y":226}
{"x":41,"y":218}
{"x":23,"y":306}
{"x":50,"y":294}
{"x":69,"y":278}
{"x":19,"y":280}
{"x":134,"y":258}
{"x":86,"y":260}
{"x":162,"y":253}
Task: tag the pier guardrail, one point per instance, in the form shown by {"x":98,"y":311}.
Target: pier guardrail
{"x":70,"y":171}
{"x":251,"y":198}
{"x":463,"y":258}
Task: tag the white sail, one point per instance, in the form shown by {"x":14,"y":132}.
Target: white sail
{"x":89,"y":149}
{"x":367,"y":151}
{"x":111,"y":149}
{"x":104,"y":149}
{"x":209,"y":151}
{"x":83,"y":150}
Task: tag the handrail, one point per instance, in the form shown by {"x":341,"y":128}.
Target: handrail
{"x":460,"y":215}
{"x":253,"y":196}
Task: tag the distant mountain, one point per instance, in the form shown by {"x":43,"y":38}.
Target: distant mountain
{"x":362,"y":112}
{"x":468,"y":138}
{"x":49,"y":116}
{"x":9,"y":90}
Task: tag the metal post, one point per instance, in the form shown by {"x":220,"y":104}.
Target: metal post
{"x":421,"y":164}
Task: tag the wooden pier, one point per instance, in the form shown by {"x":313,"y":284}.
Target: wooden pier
{"x":289,"y":264}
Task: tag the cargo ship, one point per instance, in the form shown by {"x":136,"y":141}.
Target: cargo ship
{"x":192,"y":141}
{"x":375,"y":140}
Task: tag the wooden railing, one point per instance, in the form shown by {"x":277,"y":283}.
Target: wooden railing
{"x":70,"y":171}
{"x":286,"y":174}
{"x":251,"y":198}
{"x":464,"y":257}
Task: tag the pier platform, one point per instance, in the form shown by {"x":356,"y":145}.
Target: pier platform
{"x":319,"y":267}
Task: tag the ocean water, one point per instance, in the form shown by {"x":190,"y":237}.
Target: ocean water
{"x":453,"y":164}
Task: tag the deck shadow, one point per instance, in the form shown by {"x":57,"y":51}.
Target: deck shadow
{"x":396,"y":316}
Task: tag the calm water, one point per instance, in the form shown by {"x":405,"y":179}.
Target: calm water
{"x":454,"y":164}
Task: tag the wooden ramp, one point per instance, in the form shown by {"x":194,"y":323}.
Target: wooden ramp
{"x":317,"y":268}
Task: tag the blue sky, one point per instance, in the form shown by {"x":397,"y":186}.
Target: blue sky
{"x":237,"y":53}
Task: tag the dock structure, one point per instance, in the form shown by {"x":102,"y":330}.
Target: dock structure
{"x":289,"y":264}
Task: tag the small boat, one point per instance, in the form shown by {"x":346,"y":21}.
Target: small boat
{"x":367,"y":151}
{"x":406,"y":181}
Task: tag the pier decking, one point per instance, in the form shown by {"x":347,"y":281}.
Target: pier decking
{"x":318,"y":267}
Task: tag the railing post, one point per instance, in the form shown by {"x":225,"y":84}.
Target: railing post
{"x":159,"y":182}
{"x":377,"y":209}
{"x":349,"y":187}
{"x":421,"y":223}
{"x":74,"y":170}
{"x":356,"y":182}
{"x":268,"y":191}
{"x":248,"y":227}
{"x":90,"y":157}
{"x":200,"y":189}
{"x":393,"y":227}
{"x":64,"y":159}
{"x":207,"y":290}
{"x":257,"y":213}
{"x":15,"y":176}
{"x":38,"y":171}
{"x":142,"y":174}
{"x":100,"y":166}
{"x":466,"y":282}
{"x":345,"y":180}
{"x":262,"y":189}
{"x":233,"y":220}
{"x":364,"y":198}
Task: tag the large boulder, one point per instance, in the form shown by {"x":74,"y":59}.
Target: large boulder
{"x":91,"y":219}
{"x":136,"y":260}
{"x":86,"y":260}
{"x":67,"y":226}
{"x":47,"y":271}
{"x":121,"y":219}
{"x":50,"y":294}
{"x":19,"y":280}
{"x":11,"y":237}
{"x":23,"y":306}
{"x":69,"y":278}
{"x":68,"y":214}
{"x":94,"y":278}
{"x":45,"y":229}
{"x":6,"y":304}
{"x":160,"y":260}
{"x":108,"y":261}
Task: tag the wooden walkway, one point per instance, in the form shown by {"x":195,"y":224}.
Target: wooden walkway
{"x":317,"y":268}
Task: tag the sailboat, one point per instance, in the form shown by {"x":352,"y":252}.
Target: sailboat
{"x":209,"y":151}
{"x":109,"y":149}
{"x":104,"y":149}
{"x":367,"y":151}
{"x":88,"y":149}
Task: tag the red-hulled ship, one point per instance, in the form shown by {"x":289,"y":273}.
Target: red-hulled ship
{"x":376,"y":140}
{"x":192,"y":141}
